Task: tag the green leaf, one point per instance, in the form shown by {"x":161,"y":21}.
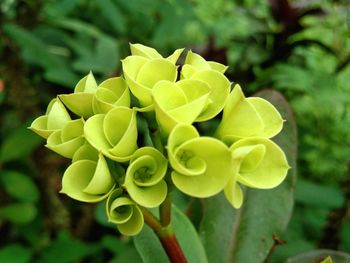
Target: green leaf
{"x":248,"y":233}
{"x":150,"y":248}
{"x":19,"y":186}
{"x":18,"y":144}
{"x":14,"y":253}
{"x":66,"y":250}
{"x":18,"y":213}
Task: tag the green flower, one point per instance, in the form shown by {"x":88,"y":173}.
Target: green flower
{"x":197,"y":68}
{"x":80,"y":102}
{"x":88,"y":180}
{"x":111,"y":93}
{"x":114,"y":133}
{"x":55,"y":119}
{"x":259,"y":163}
{"x":145,"y":68}
{"x":144,"y":177}
{"x":248,"y":117}
{"x":202,"y":165}
{"x":67,"y":140}
{"x":124,"y":212}
{"x":180,"y":102}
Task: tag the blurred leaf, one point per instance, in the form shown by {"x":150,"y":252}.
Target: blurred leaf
{"x":128,"y":255}
{"x":65,"y":249}
{"x":112,"y":13}
{"x":19,"y":144}
{"x":150,"y":248}
{"x":100,"y":215}
{"x":326,"y":196}
{"x":250,"y":231}
{"x":114,"y":244}
{"x":18,"y":213}
{"x":345,"y":236}
{"x":19,"y":186}
{"x":104,"y":59}
{"x":14,"y":253}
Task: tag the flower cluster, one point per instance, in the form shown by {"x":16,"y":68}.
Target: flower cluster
{"x":98,"y":127}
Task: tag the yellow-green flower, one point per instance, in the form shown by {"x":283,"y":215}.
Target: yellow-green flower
{"x":144,"y":177}
{"x":80,"y":102}
{"x":111,"y":93}
{"x":55,"y":118}
{"x":88,"y":180}
{"x":114,"y":133}
{"x":202,"y":165}
{"x":144,"y":68}
{"x":124,"y":212}
{"x":180,"y":102}
{"x":67,"y":140}
{"x":248,"y":117}
{"x":197,"y":68}
{"x":258,"y":163}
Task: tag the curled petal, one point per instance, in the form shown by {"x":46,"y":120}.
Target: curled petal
{"x":248,"y":117}
{"x":55,"y":118}
{"x":142,"y":74}
{"x":114,"y":134}
{"x":88,"y":181}
{"x":180,"y":102}
{"x":85,"y":152}
{"x":233,"y":193}
{"x":80,"y":102}
{"x":111,"y":93}
{"x":262,"y":162}
{"x":67,"y":141}
{"x":144,"y":177}
{"x":125,"y":213}
{"x":204,"y":158}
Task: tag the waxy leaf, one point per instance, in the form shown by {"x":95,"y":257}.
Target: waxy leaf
{"x":248,"y":233}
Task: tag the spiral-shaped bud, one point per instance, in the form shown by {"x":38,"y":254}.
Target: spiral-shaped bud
{"x":259,"y":162}
{"x":67,"y":140}
{"x":202,"y":165}
{"x":111,"y":93}
{"x":180,"y":102}
{"x":124,"y":212}
{"x":144,"y":178}
{"x":55,"y":119}
{"x":80,"y":102}
{"x":248,"y":117}
{"x":114,"y":133}
{"x":88,"y":180}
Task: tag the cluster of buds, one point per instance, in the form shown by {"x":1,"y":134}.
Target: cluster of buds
{"x":99,"y":128}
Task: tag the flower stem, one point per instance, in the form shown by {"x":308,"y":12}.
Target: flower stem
{"x":165,"y":212}
{"x":166,"y":236}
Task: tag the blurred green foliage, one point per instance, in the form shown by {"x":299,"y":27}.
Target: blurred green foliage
{"x":301,"y":48}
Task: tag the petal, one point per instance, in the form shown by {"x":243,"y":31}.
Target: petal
{"x":85,"y":152}
{"x":93,"y":131}
{"x":72,"y":129}
{"x":102,"y":181}
{"x":233,"y":193}
{"x":134,"y":225}
{"x":217,"y":66}
{"x":272,"y":119}
{"x":79,"y":103}
{"x":214,"y":179}
{"x":196,"y":61}
{"x":271,"y":170}
{"x":175,"y":56}
{"x":39,"y":126}
{"x":144,"y":51}
{"x":57,"y":116}
{"x":77,"y":177}
{"x":66,"y":149}
{"x":87,"y":84}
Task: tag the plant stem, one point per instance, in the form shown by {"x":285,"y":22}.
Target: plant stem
{"x":166,"y":236}
{"x":165,"y":212}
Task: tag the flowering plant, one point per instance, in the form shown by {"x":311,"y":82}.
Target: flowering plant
{"x":135,"y":167}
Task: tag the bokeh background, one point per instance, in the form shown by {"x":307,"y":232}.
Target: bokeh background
{"x":299,"y":47}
